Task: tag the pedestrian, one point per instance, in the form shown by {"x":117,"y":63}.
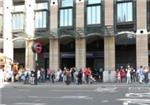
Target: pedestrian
{"x":141,"y":74}
{"x":49,"y":72}
{"x":146,"y":74}
{"x":53,"y":76}
{"x":149,"y":76}
{"x":119,"y":76}
{"x":133,"y":74}
{"x":128,"y":74}
{"x":87,"y":72}
{"x":39,"y":75}
{"x":123,"y":74}
{"x":80,"y":77}
{"x":68,"y":76}
{"x":1,"y":76}
{"x":116,"y":75}
{"x":76,"y":76}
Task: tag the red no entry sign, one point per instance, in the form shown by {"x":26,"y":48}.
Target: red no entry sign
{"x":37,"y":47}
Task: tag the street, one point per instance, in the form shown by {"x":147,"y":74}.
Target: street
{"x":99,"y":94}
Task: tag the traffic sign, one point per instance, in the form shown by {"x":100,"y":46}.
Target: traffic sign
{"x":37,"y":47}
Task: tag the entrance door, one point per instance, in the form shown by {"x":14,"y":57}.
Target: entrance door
{"x":95,"y":52}
{"x":67,"y":52}
{"x":68,"y":62}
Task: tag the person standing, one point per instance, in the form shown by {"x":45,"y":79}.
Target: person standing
{"x":119,"y":76}
{"x":123,"y":74}
{"x":80,"y":77}
{"x":128,"y":74}
{"x":149,"y":76}
{"x":1,"y":76}
{"x":53,"y":76}
{"x":146,"y":74}
{"x":141,"y":74}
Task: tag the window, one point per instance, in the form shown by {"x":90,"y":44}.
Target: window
{"x":18,"y":2}
{"x":41,"y":16}
{"x":93,"y":12}
{"x":148,"y":15}
{"x":17,"y":21}
{"x":66,"y":3}
{"x":41,"y":19}
{"x":66,"y":13}
{"x":124,"y":11}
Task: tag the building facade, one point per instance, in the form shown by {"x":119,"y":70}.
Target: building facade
{"x":77,"y":33}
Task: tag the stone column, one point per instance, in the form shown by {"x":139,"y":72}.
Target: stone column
{"x":109,"y":45}
{"x":80,"y":53}
{"x":29,"y":55}
{"x":7,"y":30}
{"x":53,"y":15}
{"x":54,"y":51}
{"x":141,"y":35}
{"x":29,"y":30}
{"x":80,"y":13}
{"x":142,"y":50}
{"x":54,"y":54}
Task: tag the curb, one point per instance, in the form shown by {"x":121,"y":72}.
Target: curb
{"x":46,"y":85}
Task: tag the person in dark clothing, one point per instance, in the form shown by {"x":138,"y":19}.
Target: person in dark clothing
{"x":53,"y":77}
{"x":80,"y":77}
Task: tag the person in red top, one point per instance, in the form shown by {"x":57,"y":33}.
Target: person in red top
{"x":86,"y":72}
{"x":123,"y":73}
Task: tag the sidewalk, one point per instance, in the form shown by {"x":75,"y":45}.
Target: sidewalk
{"x":2,"y":85}
{"x":59,"y":85}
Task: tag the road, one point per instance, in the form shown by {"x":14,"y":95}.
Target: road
{"x":76,"y":95}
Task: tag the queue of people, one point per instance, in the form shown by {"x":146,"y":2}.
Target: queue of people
{"x":73,"y":75}
{"x":130,"y":74}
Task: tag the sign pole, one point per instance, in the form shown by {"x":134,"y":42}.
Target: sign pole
{"x":37,"y":49}
{"x":36,"y":64}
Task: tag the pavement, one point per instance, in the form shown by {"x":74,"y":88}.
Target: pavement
{"x":60,"y":84}
{"x":87,"y":94}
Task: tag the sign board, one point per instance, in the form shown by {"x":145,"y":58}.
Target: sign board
{"x":37,"y":47}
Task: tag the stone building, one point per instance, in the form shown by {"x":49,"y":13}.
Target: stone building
{"x":77,"y":33}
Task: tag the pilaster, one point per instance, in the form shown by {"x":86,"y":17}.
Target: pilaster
{"x":54,"y":54}
{"x":29,"y":30}
{"x":7,"y":29}
{"x":141,"y":34}
{"x":80,"y":53}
